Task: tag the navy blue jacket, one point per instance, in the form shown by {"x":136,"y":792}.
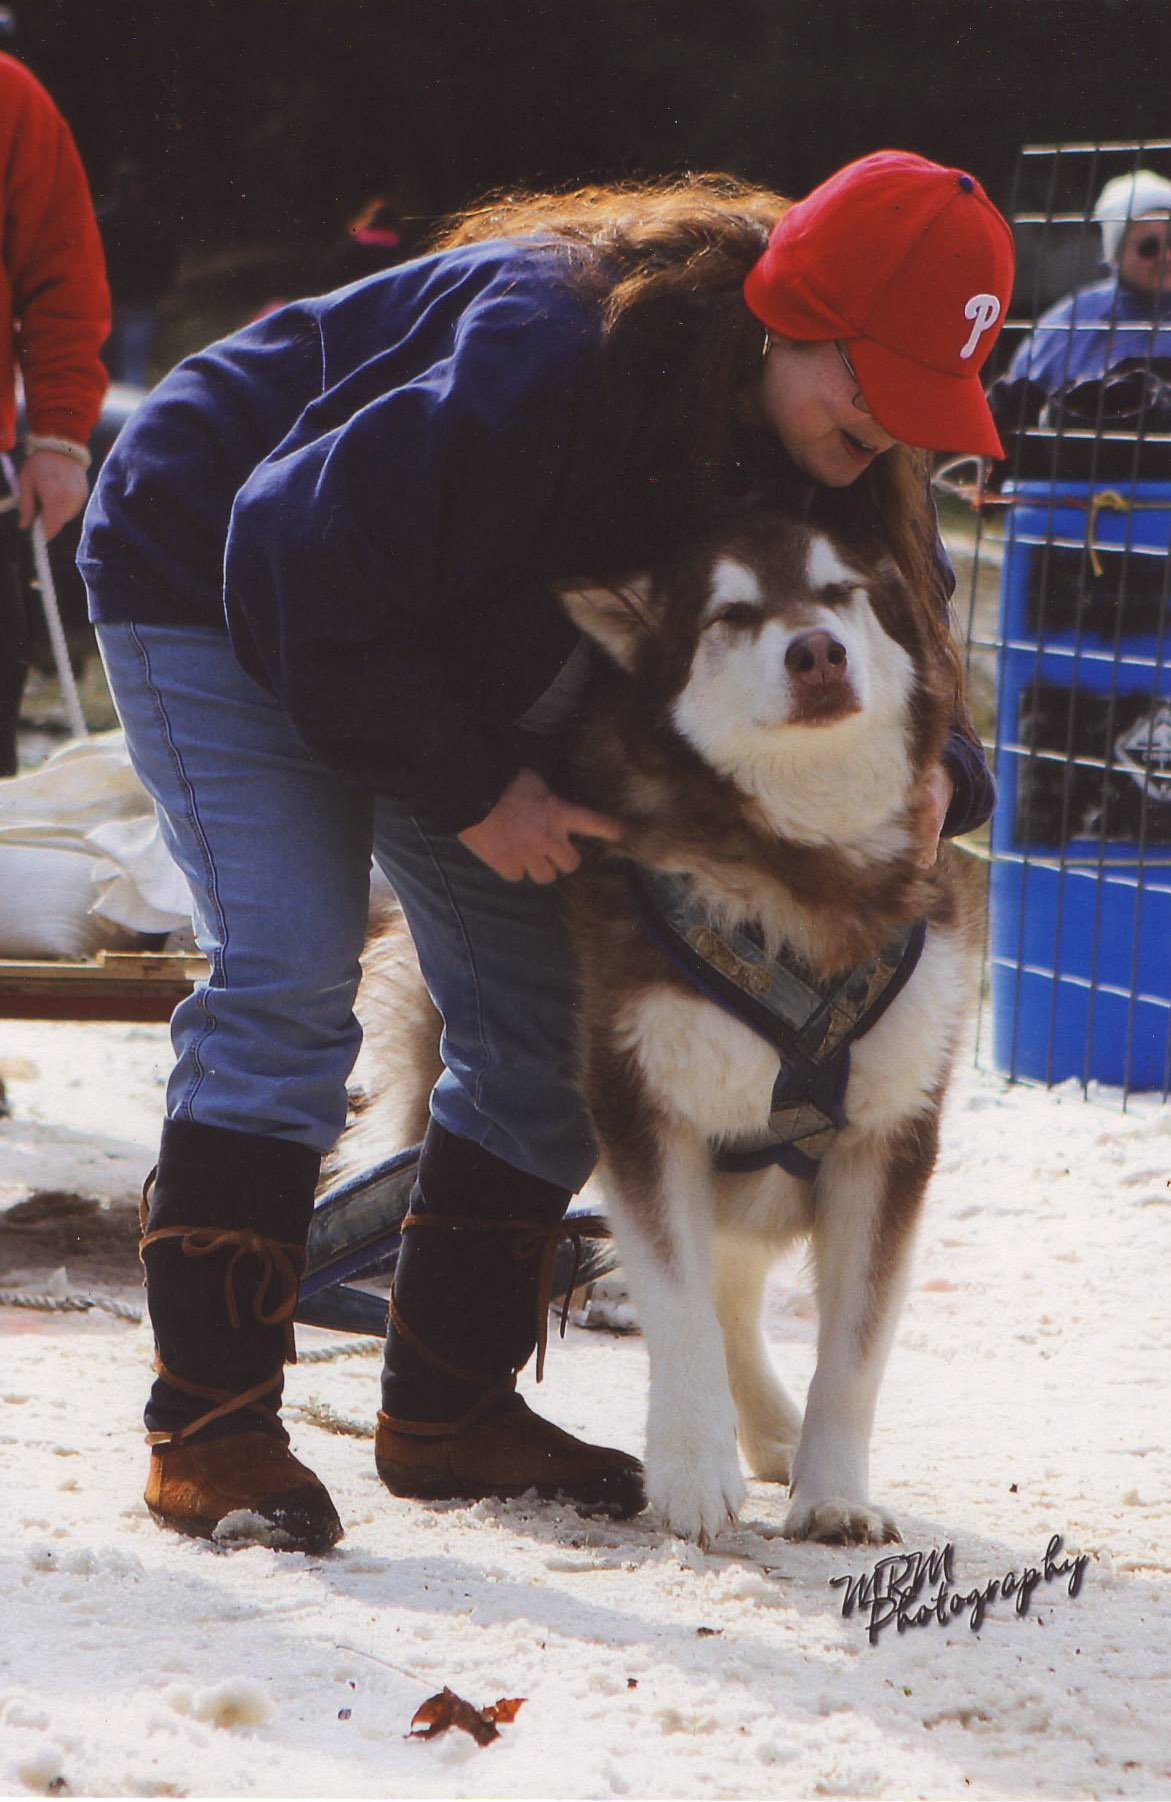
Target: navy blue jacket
{"x":372,"y":490}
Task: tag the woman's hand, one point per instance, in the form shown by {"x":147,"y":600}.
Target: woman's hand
{"x":528,"y":832}
{"x":938,"y":789}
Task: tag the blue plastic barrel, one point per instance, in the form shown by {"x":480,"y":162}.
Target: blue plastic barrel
{"x":1080,"y":892}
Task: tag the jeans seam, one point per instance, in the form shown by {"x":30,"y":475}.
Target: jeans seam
{"x":481,"y":1035}
{"x":217,"y":960}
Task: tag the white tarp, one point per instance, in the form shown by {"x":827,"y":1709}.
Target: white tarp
{"x":82,"y":862}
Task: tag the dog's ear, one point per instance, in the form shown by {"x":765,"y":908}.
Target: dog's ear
{"x":618,"y":619}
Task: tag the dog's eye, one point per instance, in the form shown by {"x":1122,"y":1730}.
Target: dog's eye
{"x":737,"y":613}
{"x":836,"y":594}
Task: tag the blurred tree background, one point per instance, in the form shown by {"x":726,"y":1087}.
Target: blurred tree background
{"x":265,"y":123}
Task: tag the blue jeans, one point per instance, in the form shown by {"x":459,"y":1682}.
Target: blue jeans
{"x":277,"y":852}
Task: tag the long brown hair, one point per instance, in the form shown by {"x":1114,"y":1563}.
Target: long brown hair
{"x":665,"y":262}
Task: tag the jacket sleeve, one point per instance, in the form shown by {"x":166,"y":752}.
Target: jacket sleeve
{"x":360,"y":552}
{"x":974,"y":799}
{"x":56,"y":267}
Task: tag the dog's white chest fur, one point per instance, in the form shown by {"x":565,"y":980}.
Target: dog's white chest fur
{"x":699,"y":1063}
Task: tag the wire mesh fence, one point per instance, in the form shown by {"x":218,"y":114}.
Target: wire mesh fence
{"x":1066,"y":602}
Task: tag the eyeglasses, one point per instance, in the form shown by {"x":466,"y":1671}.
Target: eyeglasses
{"x":1150,"y":248}
{"x":858,"y":399}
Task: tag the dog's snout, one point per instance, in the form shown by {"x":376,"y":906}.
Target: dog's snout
{"x":816,"y":659}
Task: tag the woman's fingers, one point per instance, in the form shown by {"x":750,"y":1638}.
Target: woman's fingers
{"x":530,"y":831}
{"x":587,"y":823}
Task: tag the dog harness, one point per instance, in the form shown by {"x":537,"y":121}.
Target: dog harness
{"x":810,"y":1025}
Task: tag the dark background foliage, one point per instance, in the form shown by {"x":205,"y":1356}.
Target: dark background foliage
{"x":266,"y":122}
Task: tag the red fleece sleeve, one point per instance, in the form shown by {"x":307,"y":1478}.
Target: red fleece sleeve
{"x":54,"y":262}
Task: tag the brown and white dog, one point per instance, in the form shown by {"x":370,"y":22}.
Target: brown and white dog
{"x":763,"y":723}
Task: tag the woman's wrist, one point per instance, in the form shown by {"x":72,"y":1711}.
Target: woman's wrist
{"x":62,"y":447}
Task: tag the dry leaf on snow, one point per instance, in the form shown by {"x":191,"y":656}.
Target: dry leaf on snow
{"x":445,"y":1710}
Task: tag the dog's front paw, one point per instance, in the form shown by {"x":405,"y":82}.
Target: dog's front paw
{"x":839,"y":1522}
{"x":697,"y":1497}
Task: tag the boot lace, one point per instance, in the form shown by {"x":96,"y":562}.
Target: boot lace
{"x":532,"y":1238}
{"x":273,"y":1298}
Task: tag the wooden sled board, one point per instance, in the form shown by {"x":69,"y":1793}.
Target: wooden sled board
{"x":114,"y":985}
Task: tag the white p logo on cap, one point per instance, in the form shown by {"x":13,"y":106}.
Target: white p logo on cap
{"x":984,"y":311}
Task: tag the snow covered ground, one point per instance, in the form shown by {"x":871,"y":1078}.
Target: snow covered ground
{"x":1026,"y":1398}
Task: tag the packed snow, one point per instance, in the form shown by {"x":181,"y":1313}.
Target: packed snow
{"x":1023,"y":1424}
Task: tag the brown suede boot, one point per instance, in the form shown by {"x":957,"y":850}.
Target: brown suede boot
{"x":504,"y":1449}
{"x":221,"y":1300}
{"x":217,"y":1488}
{"x":470,"y":1302}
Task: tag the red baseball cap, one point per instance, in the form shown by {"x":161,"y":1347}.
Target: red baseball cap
{"x":911,"y":266}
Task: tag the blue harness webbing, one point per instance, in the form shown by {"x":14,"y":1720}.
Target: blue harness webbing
{"x":810,"y":1025}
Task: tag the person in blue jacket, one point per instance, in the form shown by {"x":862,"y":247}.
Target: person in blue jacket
{"x":321,"y":561}
{"x":1125,"y":316}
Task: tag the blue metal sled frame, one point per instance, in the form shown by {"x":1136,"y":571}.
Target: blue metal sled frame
{"x":356,"y":1231}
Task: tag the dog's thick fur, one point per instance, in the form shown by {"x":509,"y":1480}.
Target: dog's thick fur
{"x":764,"y":719}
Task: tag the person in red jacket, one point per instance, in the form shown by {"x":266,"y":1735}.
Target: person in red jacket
{"x":54,"y":319}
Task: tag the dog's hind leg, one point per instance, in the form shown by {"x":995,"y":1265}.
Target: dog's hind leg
{"x":769,"y":1420}
{"x":867,"y":1201}
{"x":663,"y":1220}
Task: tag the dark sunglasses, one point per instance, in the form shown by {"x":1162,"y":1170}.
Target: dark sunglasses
{"x":1150,"y":248}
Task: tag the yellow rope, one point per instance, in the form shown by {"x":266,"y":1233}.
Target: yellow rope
{"x":1106,"y":498}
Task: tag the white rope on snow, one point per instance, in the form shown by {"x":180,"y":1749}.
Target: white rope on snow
{"x":71,"y":1304}
{"x":348,"y":1348}
{"x":123,"y":1310}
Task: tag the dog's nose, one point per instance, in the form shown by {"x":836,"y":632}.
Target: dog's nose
{"x":816,"y":659}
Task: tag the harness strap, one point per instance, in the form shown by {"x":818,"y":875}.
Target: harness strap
{"x":719,"y":974}
{"x":810,"y":1026}
{"x":802,"y":1129}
